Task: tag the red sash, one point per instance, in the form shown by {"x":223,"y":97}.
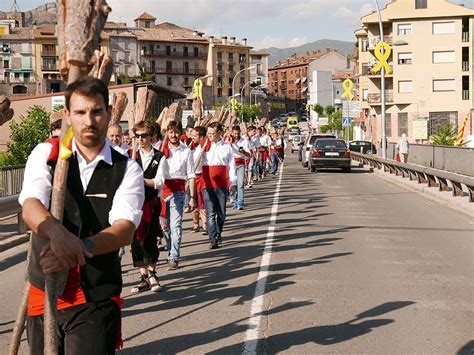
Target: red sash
{"x":239,"y":161}
{"x":214,"y":177}
{"x":173,"y":185}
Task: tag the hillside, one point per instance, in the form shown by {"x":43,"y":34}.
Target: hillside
{"x":277,"y":54}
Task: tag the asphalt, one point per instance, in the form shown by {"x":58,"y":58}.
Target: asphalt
{"x":358,"y":265}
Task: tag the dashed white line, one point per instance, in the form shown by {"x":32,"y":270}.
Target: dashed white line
{"x":251,"y":335}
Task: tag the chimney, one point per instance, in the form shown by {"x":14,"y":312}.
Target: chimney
{"x":244,"y":41}
{"x":211,"y":39}
{"x":328,"y":50}
{"x":232,"y":40}
{"x":224,"y":40}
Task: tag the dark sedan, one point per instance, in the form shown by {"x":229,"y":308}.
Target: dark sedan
{"x":330,"y":153}
{"x":367,"y":147}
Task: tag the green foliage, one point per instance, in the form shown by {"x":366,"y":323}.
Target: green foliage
{"x":5,"y":159}
{"x":325,"y":128}
{"x":446,"y":135}
{"x":58,"y":108}
{"x":124,"y":79}
{"x":329,"y":110}
{"x":319,"y":109}
{"x":144,"y":77}
{"x":32,"y":129}
{"x":247,"y":113}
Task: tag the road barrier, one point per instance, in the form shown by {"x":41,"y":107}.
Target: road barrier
{"x":424,"y":175}
{"x":11,"y":179}
{"x":9,"y":206}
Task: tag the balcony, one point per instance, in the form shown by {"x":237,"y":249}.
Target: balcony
{"x":179,"y":71}
{"x":50,"y":68}
{"x":177,"y":54}
{"x":49,"y":54}
{"x":465,"y":36}
{"x":465,"y":94}
{"x":465,"y":65}
{"x":376,"y":98}
{"x":374,"y":40}
{"x":367,"y":71}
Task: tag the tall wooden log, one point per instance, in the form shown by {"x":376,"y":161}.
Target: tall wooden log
{"x":118,"y":107}
{"x":6,"y":113}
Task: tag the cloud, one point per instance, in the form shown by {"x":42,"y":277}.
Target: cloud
{"x":268,"y":41}
{"x":297,"y":41}
{"x":352,"y":16}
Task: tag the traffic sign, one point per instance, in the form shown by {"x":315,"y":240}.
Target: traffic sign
{"x":346,"y":121}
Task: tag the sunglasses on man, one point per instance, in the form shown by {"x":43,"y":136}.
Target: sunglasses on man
{"x":142,"y":136}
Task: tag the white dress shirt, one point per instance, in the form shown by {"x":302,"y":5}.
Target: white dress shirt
{"x":221,"y":154}
{"x":179,"y":165}
{"x":128,"y":199}
{"x":255,"y":142}
{"x":241,"y":143}
{"x":196,"y":153}
{"x":266,"y":141}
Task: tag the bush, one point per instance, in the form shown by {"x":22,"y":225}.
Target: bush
{"x":446,"y":135}
{"x":27,"y":134}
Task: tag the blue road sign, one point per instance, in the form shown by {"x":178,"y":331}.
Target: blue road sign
{"x":346,"y":121}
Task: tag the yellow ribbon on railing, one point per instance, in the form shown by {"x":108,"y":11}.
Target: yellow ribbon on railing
{"x":197,"y":90}
{"x":347,"y":85}
{"x":382,"y":57}
{"x":233,"y":104}
{"x":65,"y":151}
{"x":308,"y":107}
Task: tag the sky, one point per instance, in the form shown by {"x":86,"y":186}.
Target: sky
{"x":266,"y":23}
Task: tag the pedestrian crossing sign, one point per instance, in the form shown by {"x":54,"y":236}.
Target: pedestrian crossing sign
{"x":346,"y":121}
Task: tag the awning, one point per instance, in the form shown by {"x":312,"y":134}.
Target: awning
{"x":304,"y":79}
{"x":304,"y":89}
{"x":297,"y":81}
{"x":22,"y":70}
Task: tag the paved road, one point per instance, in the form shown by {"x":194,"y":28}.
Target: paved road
{"x":357,"y":266}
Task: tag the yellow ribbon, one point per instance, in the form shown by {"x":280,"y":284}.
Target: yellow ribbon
{"x":197,"y":90}
{"x":64,"y":148}
{"x":347,"y":85}
{"x":308,"y":106}
{"x":233,"y":104}
{"x":382,"y":57}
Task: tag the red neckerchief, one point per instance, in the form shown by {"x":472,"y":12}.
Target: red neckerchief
{"x":166,"y":148}
{"x":193,"y":145}
{"x":205,"y":144}
{"x":183,"y":138}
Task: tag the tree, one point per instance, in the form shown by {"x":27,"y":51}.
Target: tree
{"x":24,"y":136}
{"x":330,"y":110}
{"x":446,"y":135}
{"x":247,"y":113}
{"x":319,"y":110}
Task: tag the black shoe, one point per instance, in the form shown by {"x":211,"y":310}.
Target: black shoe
{"x":214,"y":245}
{"x":172,"y":264}
{"x":219,"y":238}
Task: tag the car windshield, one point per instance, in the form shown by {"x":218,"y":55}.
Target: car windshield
{"x":330,"y":143}
{"x":359,"y":143}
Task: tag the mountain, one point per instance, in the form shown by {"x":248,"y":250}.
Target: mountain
{"x":277,"y":54}
{"x":46,"y":13}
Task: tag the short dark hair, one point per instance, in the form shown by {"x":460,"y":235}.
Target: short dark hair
{"x":143,"y":125}
{"x":251,"y":128}
{"x":156,"y":129}
{"x":201,"y":131}
{"x":236,"y":128}
{"x":126,"y":132}
{"x":89,"y":87}
{"x":175,"y":126}
{"x":216,"y":125}
{"x":55,"y":125}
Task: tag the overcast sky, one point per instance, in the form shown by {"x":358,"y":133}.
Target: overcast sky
{"x":266,"y":23}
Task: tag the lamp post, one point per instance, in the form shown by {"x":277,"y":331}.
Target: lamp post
{"x":259,"y":87}
{"x":235,"y":76}
{"x":382,"y":88}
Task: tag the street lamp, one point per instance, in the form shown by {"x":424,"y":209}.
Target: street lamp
{"x":259,"y":87}
{"x":382,"y":88}
{"x":235,"y":76}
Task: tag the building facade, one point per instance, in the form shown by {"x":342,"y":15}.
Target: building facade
{"x":259,"y":60}
{"x":430,"y":83}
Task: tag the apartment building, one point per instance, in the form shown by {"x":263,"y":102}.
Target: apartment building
{"x":430,"y":82}
{"x":227,"y":65}
{"x":259,"y":60}
{"x":175,"y":56}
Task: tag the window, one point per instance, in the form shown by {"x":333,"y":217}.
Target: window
{"x":365,"y":45}
{"x":443,"y":28}
{"x":402,"y":123}
{"x":439,"y":119}
{"x":186,"y":81}
{"x":259,"y":69}
{"x":231,"y":57}
{"x":219,"y":56}
{"x":168,"y":50}
{"x":365,"y":93}
{"x":231,"y":67}
{"x":405,"y":58}
{"x":219,"y":92}
{"x":185,"y":51}
{"x":388,"y":124}
{"x":405,"y":86}
{"x":421,"y":4}
{"x":444,"y":85}
{"x":169,"y":81}
{"x":26,"y":77}
{"x":19,"y":89}
{"x":26,"y":63}
{"x":196,"y":51}
{"x":404,"y":29}
{"x":444,"y":57}
{"x":169,"y":66}
{"x":6,"y":64}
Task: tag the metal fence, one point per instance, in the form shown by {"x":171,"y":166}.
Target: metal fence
{"x":11,"y":180}
{"x":453,"y":159}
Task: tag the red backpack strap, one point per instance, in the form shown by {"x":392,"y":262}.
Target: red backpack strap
{"x":54,"y":154}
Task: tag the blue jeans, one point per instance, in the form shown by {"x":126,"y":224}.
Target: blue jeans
{"x":275,"y":161}
{"x":215,"y":201}
{"x":238,"y":198}
{"x":174,"y":217}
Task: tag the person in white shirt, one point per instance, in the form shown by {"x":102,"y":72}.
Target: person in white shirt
{"x":198,"y":138}
{"x":218,"y":172}
{"x":253,"y":140}
{"x":265,"y":142}
{"x":145,"y":252}
{"x":241,"y":150}
{"x":103,"y":199}
{"x":276,"y":152}
{"x":115,"y":134}
{"x":178,"y":167}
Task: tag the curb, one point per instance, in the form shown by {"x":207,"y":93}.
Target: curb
{"x":14,"y":241}
{"x":461,"y":204}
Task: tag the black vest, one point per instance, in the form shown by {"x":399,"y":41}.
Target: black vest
{"x":84,"y":216}
{"x":150,"y":171}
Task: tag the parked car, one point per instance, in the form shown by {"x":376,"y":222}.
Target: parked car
{"x":275,"y":123}
{"x":293,"y":133}
{"x":304,"y":117}
{"x":330,"y":153}
{"x":367,"y":147}
{"x":295,"y":143}
{"x":309,"y":142}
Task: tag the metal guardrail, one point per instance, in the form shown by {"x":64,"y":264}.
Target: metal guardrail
{"x":11,"y":180}
{"x":424,"y":175}
{"x":9,"y":206}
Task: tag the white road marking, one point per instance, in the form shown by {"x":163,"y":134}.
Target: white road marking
{"x":251,"y":335}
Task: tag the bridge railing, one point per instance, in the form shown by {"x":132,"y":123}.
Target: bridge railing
{"x":11,"y":179}
{"x":9,"y":206}
{"x":424,"y":175}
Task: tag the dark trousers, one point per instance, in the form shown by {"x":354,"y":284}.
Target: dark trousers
{"x":215,"y":201}
{"x":90,"y":328}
